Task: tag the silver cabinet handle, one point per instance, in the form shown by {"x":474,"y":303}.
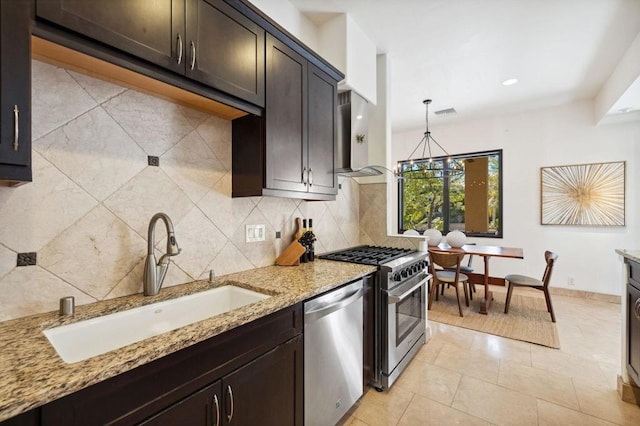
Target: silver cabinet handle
{"x":310,"y":177}
{"x":304,"y":175}
{"x":16,"y":129}
{"x":193,"y":55}
{"x":215,"y":401}
{"x":636,"y":309}
{"x":230,"y":393}
{"x":179,"y":48}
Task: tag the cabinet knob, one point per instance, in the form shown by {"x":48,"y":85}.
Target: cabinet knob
{"x":179,"y":48}
{"x":310,"y":177}
{"x":636,"y":309}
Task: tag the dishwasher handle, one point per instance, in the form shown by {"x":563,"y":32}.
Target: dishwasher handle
{"x":335,"y":306}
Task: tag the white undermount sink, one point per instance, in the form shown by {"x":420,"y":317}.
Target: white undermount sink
{"x":86,"y":339}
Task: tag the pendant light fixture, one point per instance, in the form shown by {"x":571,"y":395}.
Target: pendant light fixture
{"x":428,"y":166}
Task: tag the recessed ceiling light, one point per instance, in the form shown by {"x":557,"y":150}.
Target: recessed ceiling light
{"x":359,"y":117}
{"x":510,"y":82}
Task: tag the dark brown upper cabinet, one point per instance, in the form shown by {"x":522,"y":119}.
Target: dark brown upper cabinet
{"x":206,"y":40}
{"x":15,"y":92}
{"x":290,"y":152}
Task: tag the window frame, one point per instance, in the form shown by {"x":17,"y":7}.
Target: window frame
{"x":446,"y":191}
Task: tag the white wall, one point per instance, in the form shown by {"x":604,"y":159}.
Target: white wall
{"x":343,"y":43}
{"x":290,"y":18}
{"x":556,"y":136}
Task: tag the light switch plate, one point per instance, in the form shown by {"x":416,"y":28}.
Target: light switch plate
{"x":254,"y":233}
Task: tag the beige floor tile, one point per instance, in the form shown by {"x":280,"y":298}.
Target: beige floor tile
{"x":430,"y":351}
{"x":423,"y":411}
{"x":382,"y":408}
{"x":460,"y":337}
{"x":431,"y":381}
{"x":587,"y":370}
{"x":494,"y":403}
{"x":606,"y":404}
{"x":552,"y":387}
{"x":470,"y":363}
{"x":502,"y":348}
{"x":554,"y":415}
{"x":352,"y":421}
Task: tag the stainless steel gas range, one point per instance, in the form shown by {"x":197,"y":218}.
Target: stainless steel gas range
{"x":400,"y":305}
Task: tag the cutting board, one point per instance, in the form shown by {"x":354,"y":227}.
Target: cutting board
{"x":299,"y":229}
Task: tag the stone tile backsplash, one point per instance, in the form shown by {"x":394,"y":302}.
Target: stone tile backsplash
{"x":93,"y":193}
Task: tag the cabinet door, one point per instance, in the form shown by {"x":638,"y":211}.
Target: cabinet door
{"x":322,"y":116}
{"x":268,"y":390}
{"x":228,"y":49}
{"x":15,"y":91}
{"x":633,"y":333}
{"x":201,"y":408}
{"x":149,"y":29}
{"x":286,"y":118}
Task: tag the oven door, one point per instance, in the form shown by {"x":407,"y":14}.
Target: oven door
{"x":405,"y":317}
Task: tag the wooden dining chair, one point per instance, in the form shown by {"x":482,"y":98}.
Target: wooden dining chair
{"x":542,"y":285}
{"x":444,"y":276}
{"x":467,"y":269}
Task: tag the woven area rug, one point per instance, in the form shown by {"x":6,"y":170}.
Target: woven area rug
{"x":527,"y":320}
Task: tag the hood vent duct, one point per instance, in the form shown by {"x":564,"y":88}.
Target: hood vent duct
{"x":353,"y":137}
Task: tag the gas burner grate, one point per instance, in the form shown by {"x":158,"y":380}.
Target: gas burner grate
{"x":367,"y":255}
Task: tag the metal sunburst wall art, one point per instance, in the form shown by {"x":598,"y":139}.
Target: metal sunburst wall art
{"x":583,"y":194}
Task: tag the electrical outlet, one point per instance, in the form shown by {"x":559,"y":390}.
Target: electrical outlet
{"x":570,"y":282}
{"x":254,"y":233}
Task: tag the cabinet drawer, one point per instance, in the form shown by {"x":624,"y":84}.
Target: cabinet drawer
{"x":135,"y":395}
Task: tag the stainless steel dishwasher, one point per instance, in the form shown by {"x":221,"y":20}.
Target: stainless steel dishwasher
{"x":332,"y":354}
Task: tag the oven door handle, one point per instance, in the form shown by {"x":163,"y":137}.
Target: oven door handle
{"x":395,"y":298}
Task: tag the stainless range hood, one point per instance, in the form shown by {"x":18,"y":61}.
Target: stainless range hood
{"x":353,"y":137}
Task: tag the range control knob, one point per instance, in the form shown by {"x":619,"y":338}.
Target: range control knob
{"x":404,"y":273}
{"x":396,"y":277}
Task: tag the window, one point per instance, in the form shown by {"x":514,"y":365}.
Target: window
{"x":470,"y":202}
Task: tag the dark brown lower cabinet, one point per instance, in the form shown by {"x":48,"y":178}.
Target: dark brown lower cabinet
{"x":633,"y":321}
{"x":262,"y":392}
{"x":201,"y":408}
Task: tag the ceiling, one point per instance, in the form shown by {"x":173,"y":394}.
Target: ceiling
{"x":458,"y":52}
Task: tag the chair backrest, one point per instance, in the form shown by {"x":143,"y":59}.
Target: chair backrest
{"x":550,"y":257}
{"x":445,"y":259}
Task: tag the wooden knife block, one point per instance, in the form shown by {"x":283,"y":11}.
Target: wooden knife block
{"x":291,"y":255}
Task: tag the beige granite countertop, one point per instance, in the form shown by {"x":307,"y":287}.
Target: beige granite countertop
{"x":32,"y":374}
{"x":630,"y":254}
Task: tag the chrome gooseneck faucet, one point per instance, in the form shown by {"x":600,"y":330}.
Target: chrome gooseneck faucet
{"x":154,"y":273}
